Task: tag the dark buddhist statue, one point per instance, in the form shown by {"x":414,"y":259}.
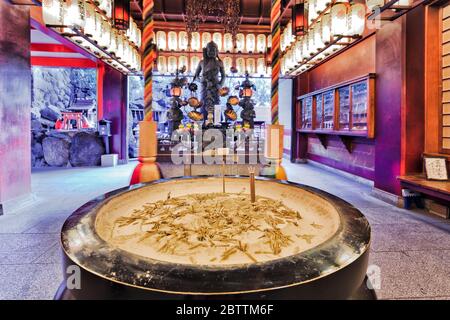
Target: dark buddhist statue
{"x":209,"y":69}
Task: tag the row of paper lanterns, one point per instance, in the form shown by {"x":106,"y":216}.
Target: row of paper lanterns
{"x":169,"y":65}
{"x":84,"y":16}
{"x":250,"y":43}
{"x":342,"y":19}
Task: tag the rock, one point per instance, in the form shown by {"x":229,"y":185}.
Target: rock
{"x":86,"y":150}
{"x":60,"y":135}
{"x":56,"y":151}
{"x":36,"y":125}
{"x":50,"y":114}
{"x":37,"y":150}
{"x":40,"y":163}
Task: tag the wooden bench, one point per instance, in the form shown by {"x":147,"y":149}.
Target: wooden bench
{"x":435,"y":189}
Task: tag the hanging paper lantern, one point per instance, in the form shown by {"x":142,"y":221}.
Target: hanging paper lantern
{"x":269,"y":41}
{"x":227,"y":64}
{"x":74,"y":13}
{"x":120,"y":53}
{"x":97,"y":36}
{"x":261,"y":43}
{"x":357,"y":19}
{"x":251,"y":42}
{"x":261,"y":66}
{"x":52,"y":12}
{"x":240,"y":65}
{"x":318,"y":36}
{"x":183,"y":41}
{"x":228,"y":42}
{"x":106,"y":7}
{"x":339,"y":19}
{"x":162,"y":64}
{"x":403,"y":3}
{"x":326,"y":28}
{"x":311,"y":44}
{"x":373,"y":4}
{"x":305,"y":47}
{"x":113,"y":46}
{"x":321,"y":5}
{"x":172,"y":41}
{"x":240,"y":42}
{"x":194,"y":63}
{"x":283,"y":65}
{"x":90,"y":25}
{"x":251,"y":65}
{"x":183,"y":61}
{"x":105,"y":35}
{"x":312,"y":13}
{"x":121,"y":14}
{"x":217,"y":38}
{"x":172,"y":64}
{"x":195,"y":41}
{"x":206,"y":38}
{"x":161,"y":42}
{"x":298,"y":54}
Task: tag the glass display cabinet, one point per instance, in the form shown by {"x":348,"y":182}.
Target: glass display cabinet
{"x":344,"y":109}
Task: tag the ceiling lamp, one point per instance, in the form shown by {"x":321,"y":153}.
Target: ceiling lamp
{"x":299,"y":20}
{"x":121,"y":14}
{"x":226,"y":12}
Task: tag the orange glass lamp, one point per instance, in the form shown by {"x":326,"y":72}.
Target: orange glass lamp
{"x":247,"y":92}
{"x":176,"y":92}
{"x":121,"y":14}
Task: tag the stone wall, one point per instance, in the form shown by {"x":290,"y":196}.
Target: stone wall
{"x":55,"y":89}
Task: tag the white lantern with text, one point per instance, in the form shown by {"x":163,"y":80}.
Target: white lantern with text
{"x":161,"y":40}
{"x":172,"y":64}
{"x":261,"y":66}
{"x":172,"y":41}
{"x":75,"y":13}
{"x":52,"y":12}
{"x":339,"y":19}
{"x":217,"y":38}
{"x":227,"y":64}
{"x":228,"y":42}
{"x":183,"y":41}
{"x":250,"y":42}
{"x":356,"y":19}
{"x":194,"y":63}
{"x":183,"y":61}
{"x":162,"y":64}
{"x":240,"y":42}
{"x":326,"y":28}
{"x":373,"y":4}
{"x":195,"y":41}
{"x":261,"y":43}
{"x":206,"y":38}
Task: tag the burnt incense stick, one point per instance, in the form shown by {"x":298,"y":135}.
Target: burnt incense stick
{"x":251,"y":171}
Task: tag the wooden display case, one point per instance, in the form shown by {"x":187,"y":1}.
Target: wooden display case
{"x":346,"y":109}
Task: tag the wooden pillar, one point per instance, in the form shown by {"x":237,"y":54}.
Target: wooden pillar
{"x":147,"y":170}
{"x":275,"y":132}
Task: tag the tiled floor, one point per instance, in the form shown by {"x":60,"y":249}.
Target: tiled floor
{"x":411,"y":249}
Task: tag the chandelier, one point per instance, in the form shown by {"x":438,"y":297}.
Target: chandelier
{"x":225,"y":11}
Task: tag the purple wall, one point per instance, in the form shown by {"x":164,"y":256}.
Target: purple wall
{"x":115,"y":109}
{"x":388,"y":120}
{"x":15,"y":101}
